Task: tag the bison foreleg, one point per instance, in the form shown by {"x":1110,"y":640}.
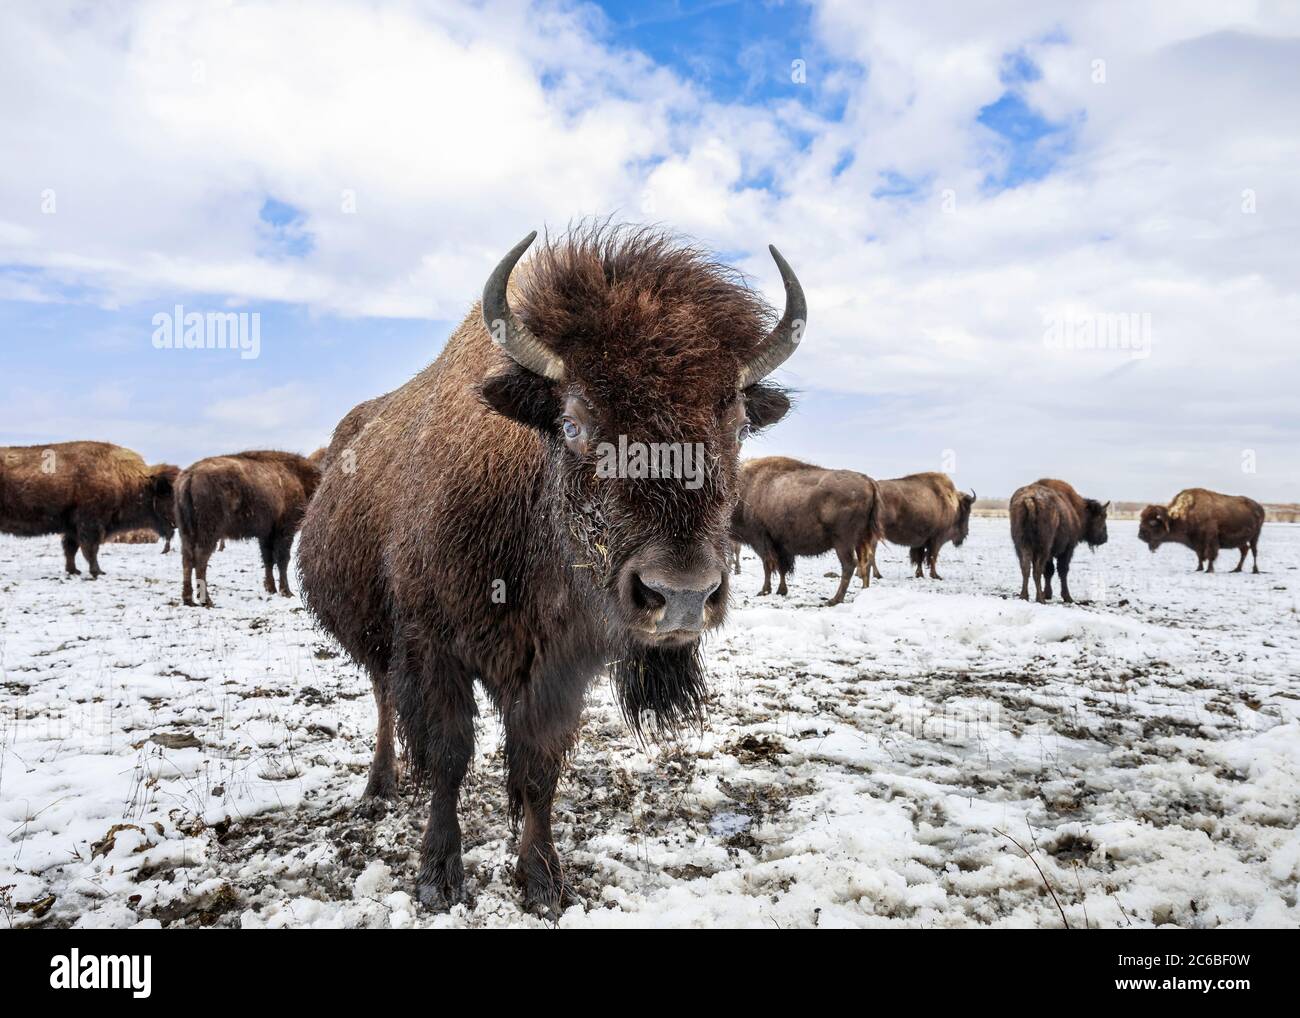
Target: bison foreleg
{"x":267,"y":547}
{"x":435,"y":700}
{"x":1049,"y":570}
{"x":538,"y":742}
{"x":90,"y":535}
{"x":848,"y":563}
{"x":932,"y":558}
{"x":283,"y":552}
{"x":70,"y":553}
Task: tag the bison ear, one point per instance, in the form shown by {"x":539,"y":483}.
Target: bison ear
{"x":765,"y":405}
{"x":524,"y":397}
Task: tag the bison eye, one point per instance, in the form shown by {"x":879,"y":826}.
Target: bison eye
{"x":571,"y":429}
{"x":742,"y":432}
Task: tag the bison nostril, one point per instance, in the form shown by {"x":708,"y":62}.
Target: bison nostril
{"x":646,"y":596}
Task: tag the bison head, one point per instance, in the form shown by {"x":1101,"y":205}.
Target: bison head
{"x":1153,"y":526}
{"x":961,"y":528}
{"x":1094,"y":525}
{"x":641,"y":363}
{"x":162,"y":497}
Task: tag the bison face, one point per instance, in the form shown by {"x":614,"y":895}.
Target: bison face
{"x":647,"y":491}
{"x":1153,"y":526}
{"x":1095,"y":524}
{"x":961,"y":528}
{"x":162,"y":494}
{"x":641,"y":364}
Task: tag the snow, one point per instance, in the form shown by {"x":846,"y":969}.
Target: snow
{"x":889,"y":761}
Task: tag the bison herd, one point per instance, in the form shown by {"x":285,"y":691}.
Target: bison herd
{"x":455,"y":530}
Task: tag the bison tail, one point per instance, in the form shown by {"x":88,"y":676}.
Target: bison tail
{"x":876,"y":517}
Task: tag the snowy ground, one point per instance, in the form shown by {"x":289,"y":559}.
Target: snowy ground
{"x":928,"y":754}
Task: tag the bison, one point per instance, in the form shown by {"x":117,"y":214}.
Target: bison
{"x":477,"y":537}
{"x":1206,"y":521}
{"x":251,"y":494}
{"x":788,"y":509}
{"x":1048,"y":520}
{"x":86,"y":491}
{"x":922,"y":512}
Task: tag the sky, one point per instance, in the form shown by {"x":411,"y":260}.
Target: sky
{"x":1042,"y":238}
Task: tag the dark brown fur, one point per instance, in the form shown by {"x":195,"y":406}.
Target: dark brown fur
{"x":260,"y":495}
{"x":1048,"y":520}
{"x":470,"y":542}
{"x":789,"y":509}
{"x":85,"y":491}
{"x":922,"y":512}
{"x":1206,"y":521}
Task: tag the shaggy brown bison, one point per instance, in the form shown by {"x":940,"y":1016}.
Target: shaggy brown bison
{"x":477,"y":537}
{"x":922,"y":512}
{"x":1206,"y":521}
{"x":1048,"y":520}
{"x":260,"y":495}
{"x":86,"y":491}
{"x":789,"y":509}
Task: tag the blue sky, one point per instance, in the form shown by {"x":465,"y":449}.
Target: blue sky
{"x":944,"y":183}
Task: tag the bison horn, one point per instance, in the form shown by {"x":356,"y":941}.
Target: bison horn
{"x":973,"y":496}
{"x":507,"y":331}
{"x":781,"y":341}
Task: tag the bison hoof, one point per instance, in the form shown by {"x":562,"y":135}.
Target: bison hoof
{"x":381,"y":788}
{"x":374,"y":807}
{"x":286,"y":592}
{"x":441,"y":894}
{"x":547,"y":898}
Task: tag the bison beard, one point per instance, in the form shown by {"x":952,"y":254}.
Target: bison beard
{"x":660,"y":690}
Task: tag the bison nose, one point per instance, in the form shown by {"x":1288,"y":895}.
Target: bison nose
{"x":678,"y":602}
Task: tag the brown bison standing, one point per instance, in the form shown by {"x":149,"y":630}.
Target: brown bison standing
{"x":1048,"y":520}
{"x":1206,"y":521}
{"x":788,"y":509}
{"x":922,"y":512}
{"x":251,"y":494}
{"x":86,"y":491}
{"x":476,"y":538}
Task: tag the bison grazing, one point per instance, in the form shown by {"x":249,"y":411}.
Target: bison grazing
{"x":86,"y":491}
{"x":788,"y":509}
{"x":478,"y":538}
{"x":922,"y":512}
{"x":1048,"y":520}
{"x":1206,"y":521}
{"x":252,"y":494}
